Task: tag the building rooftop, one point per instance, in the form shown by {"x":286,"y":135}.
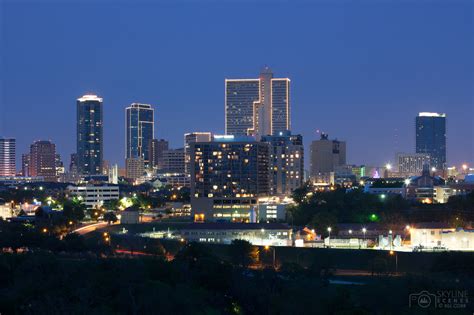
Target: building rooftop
{"x":236,"y":226}
{"x":428,"y":114}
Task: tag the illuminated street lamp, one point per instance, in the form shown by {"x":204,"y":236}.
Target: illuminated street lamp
{"x":274,"y":254}
{"x":329,"y":237}
{"x":392,"y":253}
{"x":388,"y":166}
{"x":364,"y":230}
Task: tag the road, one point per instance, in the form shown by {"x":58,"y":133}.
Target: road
{"x":90,"y":228}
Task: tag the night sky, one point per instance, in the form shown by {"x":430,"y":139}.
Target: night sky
{"x":360,"y":72}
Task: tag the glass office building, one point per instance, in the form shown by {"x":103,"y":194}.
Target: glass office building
{"x":257,"y":107}
{"x":90,"y":136}
{"x":431,"y":137}
{"x":140,"y":131}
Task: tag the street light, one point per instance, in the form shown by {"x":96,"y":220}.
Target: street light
{"x":329,"y":238}
{"x":266,"y":247}
{"x":263,"y":231}
{"x":392,"y":253}
{"x":364,"y":230}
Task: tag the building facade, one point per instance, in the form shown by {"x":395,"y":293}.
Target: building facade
{"x":134,"y":168}
{"x":7,"y":157}
{"x":286,"y":162}
{"x":90,"y":139}
{"x":257,"y":107}
{"x":191,"y":138}
{"x":228,"y":175}
{"x":94,"y":195}
{"x":411,"y":164}
{"x":140,"y":130}
{"x":42,"y":160}
{"x":326,"y":156}
{"x":155,"y":153}
{"x":431,"y":138}
{"x":173,"y":161}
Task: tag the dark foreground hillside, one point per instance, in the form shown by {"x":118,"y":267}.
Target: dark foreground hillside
{"x":196,"y":282}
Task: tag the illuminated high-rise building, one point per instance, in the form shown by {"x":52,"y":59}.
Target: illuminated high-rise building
{"x":42,"y":160}
{"x":7,"y":157}
{"x":431,"y":137}
{"x":90,"y":139}
{"x":191,"y":138}
{"x":257,"y":107}
{"x":286,"y":162}
{"x":140,"y":130}
{"x":228,"y":175}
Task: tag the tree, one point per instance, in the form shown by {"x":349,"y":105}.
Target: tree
{"x":110,"y":217}
{"x":243,"y":253}
{"x":322,"y":220}
{"x":74,"y":211}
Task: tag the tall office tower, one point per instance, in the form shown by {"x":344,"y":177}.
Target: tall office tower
{"x":326,"y":155}
{"x":155,"y":152}
{"x":257,"y":107}
{"x":191,"y":138}
{"x":173,"y":161}
{"x":228,"y":175}
{"x":25,"y":164}
{"x":286,"y":162}
{"x":7,"y":157}
{"x":43,"y":160}
{"x":411,"y":164}
{"x":431,"y":137}
{"x":140,"y":129}
{"x":134,"y":168}
{"x":90,"y":139}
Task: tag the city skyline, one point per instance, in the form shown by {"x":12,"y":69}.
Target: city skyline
{"x":349,"y":106}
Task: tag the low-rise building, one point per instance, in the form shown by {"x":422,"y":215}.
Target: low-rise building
{"x":273,"y":208}
{"x":94,"y":195}
{"x":433,"y":235}
{"x":131,"y":215}
{"x":273,"y":234}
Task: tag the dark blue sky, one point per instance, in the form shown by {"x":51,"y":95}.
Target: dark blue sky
{"x":360,"y":72}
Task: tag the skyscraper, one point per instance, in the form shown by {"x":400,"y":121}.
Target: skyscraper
{"x":257,"y":107}
{"x":90,"y":140}
{"x":431,"y":137}
{"x":140,"y":129}
{"x":42,"y":160}
{"x":326,"y":155}
{"x":7,"y":157}
{"x":155,"y":152}
{"x":286,"y":162}
{"x":228,"y":175}
{"x":191,"y":138}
